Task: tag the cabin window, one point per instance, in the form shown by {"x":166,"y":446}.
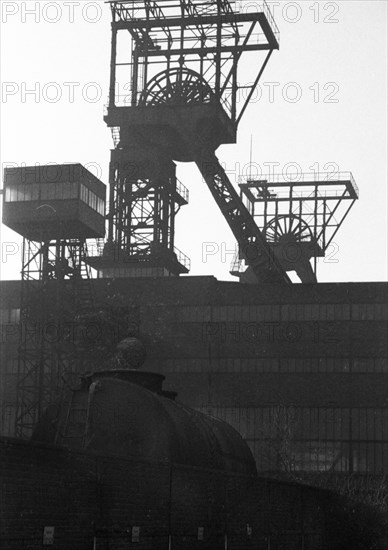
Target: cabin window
{"x":54,"y":191}
{"x":92,"y":200}
{"x":11,"y":193}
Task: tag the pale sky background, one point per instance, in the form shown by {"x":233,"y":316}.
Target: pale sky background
{"x":352,"y":53}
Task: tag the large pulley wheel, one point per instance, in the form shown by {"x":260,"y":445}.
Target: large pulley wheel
{"x":178,"y":86}
{"x":287,"y":228}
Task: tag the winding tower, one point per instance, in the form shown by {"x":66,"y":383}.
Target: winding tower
{"x":182,"y":59}
{"x":299,"y":217}
{"x":55,"y":208}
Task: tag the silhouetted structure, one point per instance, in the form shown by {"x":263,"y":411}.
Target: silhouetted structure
{"x":55,"y":208}
{"x":298,"y":216}
{"x":184,"y":59}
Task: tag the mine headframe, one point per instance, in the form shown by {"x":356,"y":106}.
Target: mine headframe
{"x":176,"y":95}
{"x":210,"y":39}
{"x":299,"y":216}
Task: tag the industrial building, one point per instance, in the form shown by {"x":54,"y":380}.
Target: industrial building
{"x":300,"y":371}
{"x":133,"y":467}
{"x":307,"y":361}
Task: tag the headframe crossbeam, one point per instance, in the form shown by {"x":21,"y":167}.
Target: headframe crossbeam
{"x":208,"y":37}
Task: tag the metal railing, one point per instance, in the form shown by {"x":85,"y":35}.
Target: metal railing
{"x":96,"y":249}
{"x":182,"y":190}
{"x":182,"y":258}
{"x":134,"y":9}
{"x":334,"y":193}
{"x":267,"y":11}
{"x":116,"y":135}
{"x":265,"y":180}
{"x":236,"y":265}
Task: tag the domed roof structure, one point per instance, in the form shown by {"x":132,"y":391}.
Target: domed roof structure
{"x":126,"y":413}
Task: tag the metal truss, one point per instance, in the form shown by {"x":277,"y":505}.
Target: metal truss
{"x":305,"y":209}
{"x":182,"y":53}
{"x":253,"y":246}
{"x":142,"y":216}
{"x":55,"y":292}
{"x":209,"y":37}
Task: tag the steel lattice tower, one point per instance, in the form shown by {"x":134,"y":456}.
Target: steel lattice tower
{"x":182,"y":59}
{"x":299,"y":216}
{"x":55,"y":208}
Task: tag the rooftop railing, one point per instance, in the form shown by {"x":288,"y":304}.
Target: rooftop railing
{"x":182,"y":190}
{"x":96,"y":247}
{"x":267,"y":11}
{"x":182,"y":258}
{"x":306,"y":178}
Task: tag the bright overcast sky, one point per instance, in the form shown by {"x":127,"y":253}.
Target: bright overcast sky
{"x":334,"y":52}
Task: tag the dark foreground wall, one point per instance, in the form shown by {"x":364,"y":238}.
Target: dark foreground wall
{"x":99,"y":502}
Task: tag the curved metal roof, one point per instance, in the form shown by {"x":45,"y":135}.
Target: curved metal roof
{"x":122,"y":418}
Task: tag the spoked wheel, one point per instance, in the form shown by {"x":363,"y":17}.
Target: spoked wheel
{"x":177,"y":86}
{"x":287,"y":228}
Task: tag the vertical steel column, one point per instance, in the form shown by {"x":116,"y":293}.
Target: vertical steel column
{"x":112,"y":86}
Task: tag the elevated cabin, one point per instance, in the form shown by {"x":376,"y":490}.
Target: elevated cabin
{"x":62,"y":201}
